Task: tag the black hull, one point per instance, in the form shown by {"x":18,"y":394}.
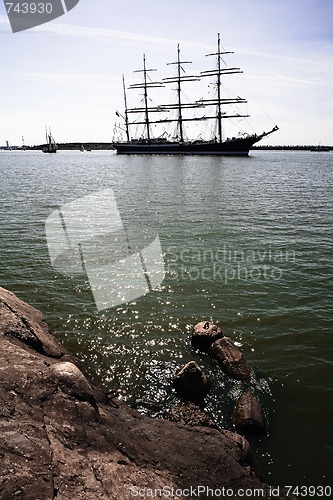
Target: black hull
{"x":232,"y":147}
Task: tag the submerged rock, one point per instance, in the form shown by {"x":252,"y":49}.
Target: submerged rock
{"x":191,"y":383}
{"x":249,"y":416}
{"x":204,"y":334}
{"x":231,"y":359}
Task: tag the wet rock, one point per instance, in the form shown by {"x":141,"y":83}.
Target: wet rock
{"x":204,"y":334}
{"x":231,"y":359}
{"x":191,"y":383}
{"x":190,"y":414}
{"x":243,"y":443}
{"x":249,"y":416}
{"x":72,"y":381}
{"x":246,"y":454}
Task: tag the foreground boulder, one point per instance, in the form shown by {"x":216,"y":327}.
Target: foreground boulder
{"x":191,"y":383}
{"x":191,"y":414}
{"x":204,"y":334}
{"x":249,"y":416}
{"x":61,"y":436}
{"x":231,"y":359}
{"x":71,"y":380}
{"x":26,"y":325}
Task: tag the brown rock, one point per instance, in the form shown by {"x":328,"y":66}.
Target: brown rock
{"x":72,"y":381}
{"x":190,"y":414}
{"x":246,"y":454}
{"x":204,"y":334}
{"x":191,"y":383}
{"x":249,"y":416}
{"x":243,"y":443}
{"x":231,"y":359}
{"x":26,"y":324}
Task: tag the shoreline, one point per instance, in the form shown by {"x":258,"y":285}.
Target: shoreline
{"x":97,"y":146}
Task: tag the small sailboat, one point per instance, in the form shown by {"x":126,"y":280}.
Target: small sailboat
{"x":50,"y":146}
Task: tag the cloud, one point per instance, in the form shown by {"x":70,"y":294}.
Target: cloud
{"x":305,"y":82}
{"x":149,"y":40}
{"x":72,"y":30}
{"x":61,"y":77}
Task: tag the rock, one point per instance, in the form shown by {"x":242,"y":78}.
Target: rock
{"x":204,"y":334}
{"x":23,"y":322}
{"x":241,"y":441}
{"x":72,"y":381}
{"x":191,"y":383}
{"x":231,"y":359}
{"x":52,"y":445}
{"x":249,"y":416}
{"x":190,"y":414}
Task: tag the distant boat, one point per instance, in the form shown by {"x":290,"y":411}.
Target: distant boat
{"x":181,"y":113}
{"x":82,"y":148}
{"x":51,"y":146}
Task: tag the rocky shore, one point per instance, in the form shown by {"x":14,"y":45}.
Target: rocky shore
{"x":64,"y":436}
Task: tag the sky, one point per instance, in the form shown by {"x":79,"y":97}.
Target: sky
{"x":67,"y":73}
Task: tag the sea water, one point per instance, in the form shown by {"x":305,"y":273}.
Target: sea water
{"x":246,"y":243}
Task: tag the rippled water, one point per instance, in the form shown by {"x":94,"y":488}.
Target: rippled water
{"x":247,"y":243}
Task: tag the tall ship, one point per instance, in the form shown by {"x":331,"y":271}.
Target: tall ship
{"x":216,"y":109}
{"x":50,"y":146}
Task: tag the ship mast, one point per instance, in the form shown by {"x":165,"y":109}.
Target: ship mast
{"x":146,"y":96}
{"x":180,"y":117}
{"x":219,"y":101}
{"x":126,"y":112}
{"x":179,"y":79}
{"x":219,"y":111}
{"x":145,"y":85}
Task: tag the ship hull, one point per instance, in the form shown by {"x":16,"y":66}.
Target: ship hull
{"x":232,"y":147}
